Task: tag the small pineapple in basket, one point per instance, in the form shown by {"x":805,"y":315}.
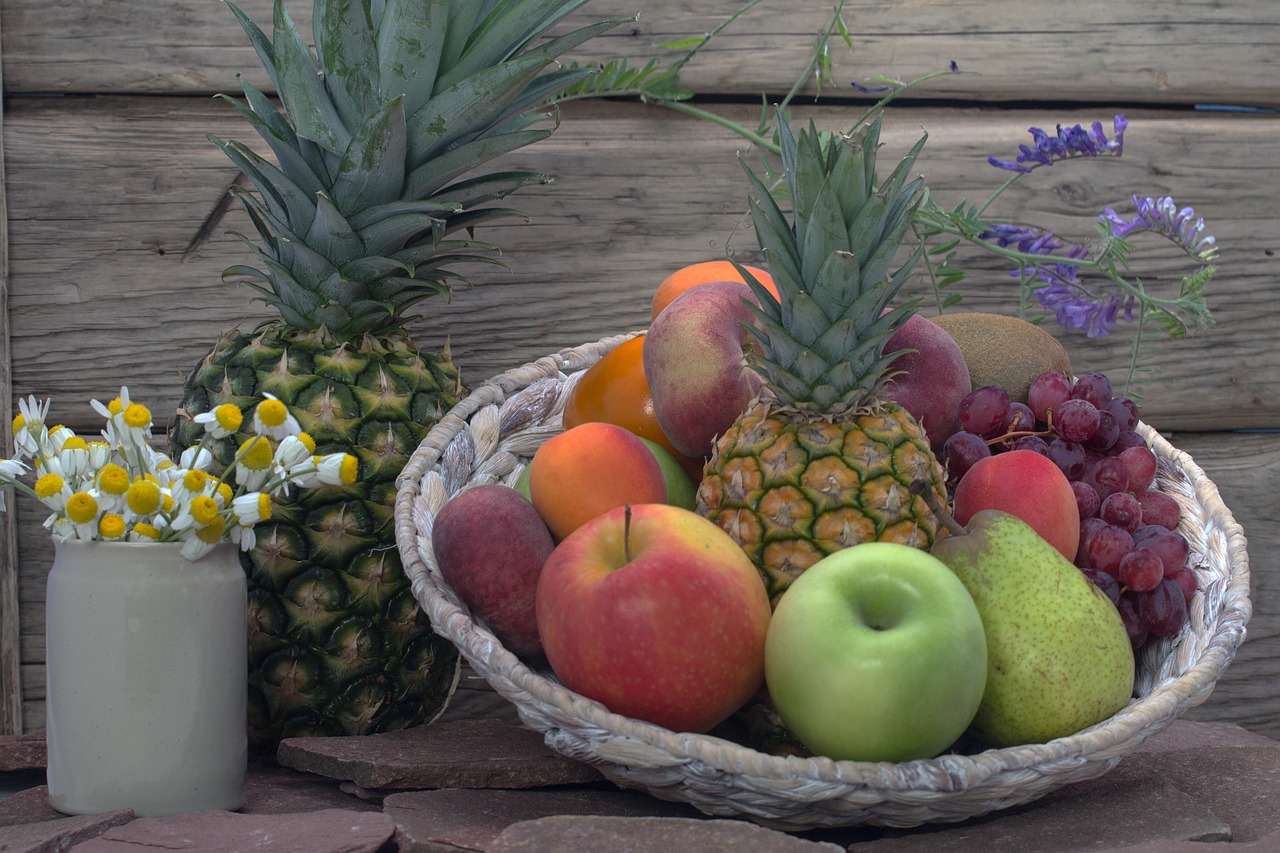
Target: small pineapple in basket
{"x":367,"y":209}
{"x":820,"y":461}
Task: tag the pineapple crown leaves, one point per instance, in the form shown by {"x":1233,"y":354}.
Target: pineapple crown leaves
{"x":821,"y":342}
{"x":380,"y":127}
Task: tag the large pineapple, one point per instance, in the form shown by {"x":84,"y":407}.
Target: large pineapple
{"x":366,"y":210}
{"x":819,"y":461}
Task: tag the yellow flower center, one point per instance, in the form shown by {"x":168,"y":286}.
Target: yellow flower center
{"x":82,"y":508}
{"x":307,"y":442}
{"x":111,"y":526}
{"x":48,"y":486}
{"x":195,"y":480}
{"x":113,"y":479}
{"x":116,"y":406}
{"x":264,"y":506}
{"x":143,"y":529}
{"x":256,"y":453}
{"x":19,"y":424}
{"x":225,"y":493}
{"x":212,"y":532}
{"x":272,"y":413}
{"x":137,"y":416}
{"x":204,"y":509}
{"x":75,"y":443}
{"x":229,"y":416}
{"x":350,"y":468}
{"x":143,"y":497}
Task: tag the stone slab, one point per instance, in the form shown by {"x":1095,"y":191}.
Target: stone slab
{"x":59,"y":833}
{"x":450,"y":820}
{"x":29,"y":806}
{"x":1239,"y":784}
{"x":1186,"y":734}
{"x":649,"y":835}
{"x":457,"y":754}
{"x":325,"y":831}
{"x":23,"y":752}
{"x":270,"y":789}
{"x":1131,"y":804}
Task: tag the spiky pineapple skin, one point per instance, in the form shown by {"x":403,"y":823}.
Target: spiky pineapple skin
{"x":791,"y":488}
{"x":337,"y":642}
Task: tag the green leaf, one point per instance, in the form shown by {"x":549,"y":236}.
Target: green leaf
{"x":427,"y":180}
{"x":373,"y":165}
{"x":344,"y":42}
{"x":302,"y":88}
{"x":411,"y":37}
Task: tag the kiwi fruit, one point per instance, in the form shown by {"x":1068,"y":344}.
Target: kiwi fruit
{"x":1004,"y":351}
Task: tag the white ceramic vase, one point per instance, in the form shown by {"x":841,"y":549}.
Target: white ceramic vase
{"x":146,"y":673}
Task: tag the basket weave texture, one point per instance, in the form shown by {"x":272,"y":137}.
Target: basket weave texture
{"x":491,"y":435}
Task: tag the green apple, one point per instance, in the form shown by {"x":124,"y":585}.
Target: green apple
{"x":680,"y":490}
{"x":876,"y":653}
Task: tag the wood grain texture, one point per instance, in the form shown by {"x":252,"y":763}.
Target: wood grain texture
{"x":1182,"y":51}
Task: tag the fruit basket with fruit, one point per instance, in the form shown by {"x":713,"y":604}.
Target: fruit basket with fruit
{"x":492,"y":434}
{"x":815,"y":410}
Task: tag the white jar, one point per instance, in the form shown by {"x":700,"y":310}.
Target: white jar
{"x":146,"y":661}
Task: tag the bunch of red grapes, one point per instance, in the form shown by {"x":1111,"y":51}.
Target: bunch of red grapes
{"x":1129,"y":544}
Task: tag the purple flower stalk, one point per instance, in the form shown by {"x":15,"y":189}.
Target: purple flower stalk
{"x":1072,"y":305}
{"x":1070,"y":143}
{"x":1162,"y":216}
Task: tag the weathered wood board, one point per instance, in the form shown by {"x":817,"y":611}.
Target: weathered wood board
{"x":117,"y":214}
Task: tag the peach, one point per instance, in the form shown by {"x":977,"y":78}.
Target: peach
{"x":934,"y":378}
{"x":1026,"y":484}
{"x":695,"y":365}
{"x":589,"y":469}
{"x":491,"y":544}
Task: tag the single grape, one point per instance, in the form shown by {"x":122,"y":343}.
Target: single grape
{"x":1169,"y":546}
{"x":1103,"y":581}
{"x":1107,"y":548}
{"x":1163,"y":609}
{"x":1069,"y":456}
{"x":1034,"y":443}
{"x":1094,"y":387}
{"x":1048,"y":391}
{"x":1126,"y":439}
{"x":1159,"y":508}
{"x":1125,"y":412}
{"x":1121,"y":509}
{"x":983,"y":410}
{"x":1087,"y":501}
{"x":1088,"y":527}
{"x":961,"y":450}
{"x":1185,"y":578}
{"x":1140,"y":464}
{"x":1134,"y":624}
{"x":1141,"y":570}
{"x":1106,"y":433}
{"x":1018,"y":419}
{"x":1076,"y":420}
{"x":1108,"y":475}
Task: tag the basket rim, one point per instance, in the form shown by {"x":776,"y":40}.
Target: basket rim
{"x":1106,"y":741}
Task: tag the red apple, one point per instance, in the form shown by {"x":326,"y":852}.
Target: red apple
{"x":1026,"y":484}
{"x":656,"y":613}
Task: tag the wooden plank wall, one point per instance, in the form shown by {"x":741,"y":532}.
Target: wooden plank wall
{"x":116,"y":212}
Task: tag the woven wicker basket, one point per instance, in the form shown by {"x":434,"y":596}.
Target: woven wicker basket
{"x":491,"y":435}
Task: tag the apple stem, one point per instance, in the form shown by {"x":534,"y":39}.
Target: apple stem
{"x":925,"y":490}
{"x":626,"y":533}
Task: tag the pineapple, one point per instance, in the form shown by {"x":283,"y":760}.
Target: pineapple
{"x":368,"y":207}
{"x":819,"y":461}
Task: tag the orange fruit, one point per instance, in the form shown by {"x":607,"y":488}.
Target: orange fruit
{"x":614,"y":391}
{"x":694,"y":274}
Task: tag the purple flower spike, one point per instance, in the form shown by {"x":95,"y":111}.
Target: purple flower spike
{"x":1073,"y":308}
{"x":1069,"y":143}
{"x":1162,"y":216}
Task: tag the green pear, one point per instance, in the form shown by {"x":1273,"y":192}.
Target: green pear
{"x":1058,"y":656}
